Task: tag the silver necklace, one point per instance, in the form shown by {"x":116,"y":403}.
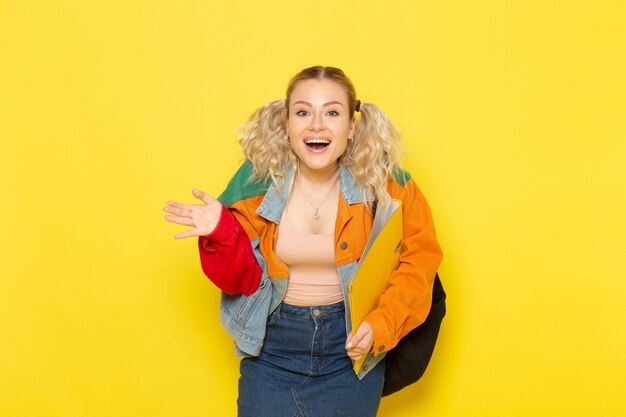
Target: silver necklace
{"x":316,"y":215}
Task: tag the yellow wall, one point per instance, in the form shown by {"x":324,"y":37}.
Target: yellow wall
{"x":514,"y":118}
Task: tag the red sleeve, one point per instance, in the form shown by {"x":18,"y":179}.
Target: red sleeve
{"x":227,"y":258}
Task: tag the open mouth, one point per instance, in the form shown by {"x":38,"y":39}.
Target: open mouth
{"x":317,"y":144}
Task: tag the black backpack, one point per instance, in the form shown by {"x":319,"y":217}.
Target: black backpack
{"x":407,"y":361}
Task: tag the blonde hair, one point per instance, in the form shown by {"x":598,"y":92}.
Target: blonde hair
{"x":371,"y":156}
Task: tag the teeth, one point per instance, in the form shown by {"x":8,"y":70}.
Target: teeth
{"x":315,"y":140}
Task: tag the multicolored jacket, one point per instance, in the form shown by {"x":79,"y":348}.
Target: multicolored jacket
{"x":239,"y":257}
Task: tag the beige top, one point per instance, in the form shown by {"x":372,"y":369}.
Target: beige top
{"x":313,"y":276}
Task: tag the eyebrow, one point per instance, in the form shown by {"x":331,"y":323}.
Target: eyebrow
{"x":324,"y":105}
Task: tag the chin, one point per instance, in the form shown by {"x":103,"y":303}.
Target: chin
{"x":318,"y":165}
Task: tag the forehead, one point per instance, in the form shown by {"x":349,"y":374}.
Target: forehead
{"x":318,"y":91}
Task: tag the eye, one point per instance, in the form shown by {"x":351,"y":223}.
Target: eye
{"x":333,"y":113}
{"x":302,"y":113}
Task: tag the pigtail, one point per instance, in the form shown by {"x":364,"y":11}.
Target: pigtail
{"x":265,"y":142}
{"x":374,"y":152}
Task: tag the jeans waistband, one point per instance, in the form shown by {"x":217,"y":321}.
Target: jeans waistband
{"x":317,"y":312}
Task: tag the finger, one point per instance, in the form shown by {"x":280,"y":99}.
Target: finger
{"x":179,"y":211}
{"x":180,"y":220}
{"x":187,"y":233}
{"x":180,"y":206}
{"x":362,"y":340}
{"x":355,"y":339}
{"x":175,"y":204}
{"x":201,"y":195}
{"x":355,"y":356}
{"x":359,"y":349}
{"x":349,"y":341}
{"x":364,"y":346}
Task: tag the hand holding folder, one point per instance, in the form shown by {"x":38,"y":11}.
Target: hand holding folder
{"x":380,"y":258}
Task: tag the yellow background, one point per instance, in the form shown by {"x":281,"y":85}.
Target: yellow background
{"x":513,"y":116}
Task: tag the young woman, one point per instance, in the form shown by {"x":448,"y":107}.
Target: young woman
{"x":286,"y":234}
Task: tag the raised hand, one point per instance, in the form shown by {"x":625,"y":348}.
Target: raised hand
{"x":202,"y":217}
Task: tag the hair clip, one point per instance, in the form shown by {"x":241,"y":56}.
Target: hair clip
{"x":358,"y":106}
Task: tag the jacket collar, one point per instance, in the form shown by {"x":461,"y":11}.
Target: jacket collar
{"x":274,"y":202}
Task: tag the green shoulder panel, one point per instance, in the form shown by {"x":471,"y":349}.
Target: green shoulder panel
{"x":241,"y":187}
{"x":401,"y":176}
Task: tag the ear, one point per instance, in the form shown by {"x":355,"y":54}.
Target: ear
{"x":352,"y":126}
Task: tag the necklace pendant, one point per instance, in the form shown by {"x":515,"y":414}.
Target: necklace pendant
{"x":316,"y":216}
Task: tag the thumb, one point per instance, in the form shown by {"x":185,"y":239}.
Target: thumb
{"x":201,"y":195}
{"x":355,"y":339}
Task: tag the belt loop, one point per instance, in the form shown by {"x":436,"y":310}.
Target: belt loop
{"x":277,"y":311}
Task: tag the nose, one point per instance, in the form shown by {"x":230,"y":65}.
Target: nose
{"x":317,"y":122}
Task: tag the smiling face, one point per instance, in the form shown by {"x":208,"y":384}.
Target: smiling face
{"x":319,"y":124}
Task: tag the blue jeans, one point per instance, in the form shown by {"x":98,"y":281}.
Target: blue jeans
{"x":304,"y":370}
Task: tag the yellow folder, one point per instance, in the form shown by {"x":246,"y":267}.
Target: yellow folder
{"x":380,"y":258}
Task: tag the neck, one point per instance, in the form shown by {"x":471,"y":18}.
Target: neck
{"x":317,"y":178}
